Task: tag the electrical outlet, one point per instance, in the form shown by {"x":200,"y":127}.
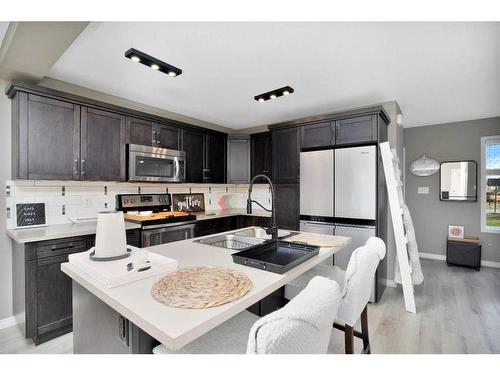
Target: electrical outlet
{"x":87,"y":202}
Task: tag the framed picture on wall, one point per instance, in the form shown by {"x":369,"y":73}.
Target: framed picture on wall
{"x":455,"y":231}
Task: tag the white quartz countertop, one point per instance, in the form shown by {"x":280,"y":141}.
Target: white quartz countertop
{"x":214,"y":214}
{"x":176,"y":327}
{"x":52,"y":232}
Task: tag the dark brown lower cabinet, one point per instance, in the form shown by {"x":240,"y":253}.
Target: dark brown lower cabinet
{"x":53,"y":299}
{"x":42,"y":293}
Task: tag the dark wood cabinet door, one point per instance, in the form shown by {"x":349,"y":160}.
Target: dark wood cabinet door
{"x":210,"y":226}
{"x":215,"y":158}
{"x":53,"y":295}
{"x":317,"y":135}
{"x":356,"y":130}
{"x":238,"y":160}
{"x":167,"y":136}
{"x":261,"y":154}
{"x":192,"y":144}
{"x":287,"y":206}
{"x":102,"y":145}
{"x":139,"y":132}
{"x":49,"y":131}
{"x":286,"y":149}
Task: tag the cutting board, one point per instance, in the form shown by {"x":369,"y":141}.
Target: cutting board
{"x":154,"y":216}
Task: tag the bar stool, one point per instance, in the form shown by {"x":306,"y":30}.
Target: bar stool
{"x":357,"y":283}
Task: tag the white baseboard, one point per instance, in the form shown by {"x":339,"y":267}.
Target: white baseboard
{"x":484,"y":263}
{"x":432,"y":256}
{"x":8,"y":322}
{"x":487,"y":263}
{"x":390,"y":283}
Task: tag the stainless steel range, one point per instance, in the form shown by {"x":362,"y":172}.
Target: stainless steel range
{"x":158,"y":223}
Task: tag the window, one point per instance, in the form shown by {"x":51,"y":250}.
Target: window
{"x":490,"y":184}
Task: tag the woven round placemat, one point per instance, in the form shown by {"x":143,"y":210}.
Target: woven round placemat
{"x":200,"y":287}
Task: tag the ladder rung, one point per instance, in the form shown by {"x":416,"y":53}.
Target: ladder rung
{"x":395,"y":156}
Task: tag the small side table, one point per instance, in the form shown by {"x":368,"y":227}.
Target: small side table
{"x":465,"y":252}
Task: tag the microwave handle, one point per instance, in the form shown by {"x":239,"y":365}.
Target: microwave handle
{"x":176,"y":168}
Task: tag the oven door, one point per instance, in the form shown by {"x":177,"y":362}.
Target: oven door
{"x":155,"y":164}
{"x":165,"y":234}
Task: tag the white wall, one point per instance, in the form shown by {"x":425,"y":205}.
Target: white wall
{"x":5,"y":242}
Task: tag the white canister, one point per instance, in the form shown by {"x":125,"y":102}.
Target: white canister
{"x":110,"y":239}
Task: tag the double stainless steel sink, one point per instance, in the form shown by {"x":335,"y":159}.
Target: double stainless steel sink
{"x":242,"y":239}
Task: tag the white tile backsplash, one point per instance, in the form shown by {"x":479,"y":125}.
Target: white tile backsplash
{"x":85,"y":199}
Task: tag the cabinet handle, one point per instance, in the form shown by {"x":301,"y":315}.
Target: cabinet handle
{"x":158,"y":137}
{"x":62,"y":247}
{"x":75,"y":171}
{"x":82,"y":166}
{"x":154,"y":136}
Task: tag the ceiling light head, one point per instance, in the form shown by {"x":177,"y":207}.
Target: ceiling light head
{"x":152,"y":62}
{"x":287,"y":90}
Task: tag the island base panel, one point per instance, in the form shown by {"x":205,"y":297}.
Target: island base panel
{"x":98,"y":329}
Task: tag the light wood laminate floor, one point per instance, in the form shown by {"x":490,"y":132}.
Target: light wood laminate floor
{"x":458,"y":312}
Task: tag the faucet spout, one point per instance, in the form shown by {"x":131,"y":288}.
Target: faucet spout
{"x":273,"y":230}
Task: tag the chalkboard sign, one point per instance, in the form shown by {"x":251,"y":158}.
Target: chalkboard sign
{"x":188,"y":202}
{"x":30,"y":214}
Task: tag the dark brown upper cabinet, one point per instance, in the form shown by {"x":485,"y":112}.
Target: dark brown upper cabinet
{"x":166,"y":136}
{"x":215,"y":159}
{"x":102,"y":145}
{"x":56,"y":135}
{"x":139,"y":132}
{"x":318,"y":135}
{"x":192,"y":144}
{"x":261,"y":154}
{"x":45,"y":138}
{"x":149,"y":133}
{"x":286,"y":150}
{"x":356,"y":130}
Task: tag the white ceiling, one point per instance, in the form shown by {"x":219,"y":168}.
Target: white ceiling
{"x":438,"y":72}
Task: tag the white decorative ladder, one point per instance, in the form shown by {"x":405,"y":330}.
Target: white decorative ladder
{"x":395,"y":195}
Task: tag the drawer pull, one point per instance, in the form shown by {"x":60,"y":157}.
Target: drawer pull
{"x":62,"y":247}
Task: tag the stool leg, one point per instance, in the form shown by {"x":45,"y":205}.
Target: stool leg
{"x":349,"y":339}
{"x":364,"y":330}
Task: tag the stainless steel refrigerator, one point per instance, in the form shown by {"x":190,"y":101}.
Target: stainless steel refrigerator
{"x":338,"y":195}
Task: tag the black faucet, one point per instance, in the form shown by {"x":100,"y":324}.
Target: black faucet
{"x":273,"y":230}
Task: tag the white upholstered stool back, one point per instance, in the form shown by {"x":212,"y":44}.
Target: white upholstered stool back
{"x":303,"y":326}
{"x":358,"y":280}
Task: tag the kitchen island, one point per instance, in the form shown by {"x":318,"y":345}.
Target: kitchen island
{"x":127,"y":319}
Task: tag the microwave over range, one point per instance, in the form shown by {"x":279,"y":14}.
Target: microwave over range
{"x":155,"y":164}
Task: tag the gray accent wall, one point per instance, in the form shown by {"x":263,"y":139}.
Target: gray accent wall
{"x":431,"y":217}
